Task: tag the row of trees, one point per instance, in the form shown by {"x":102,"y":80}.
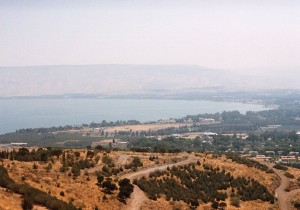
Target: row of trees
{"x":247,"y":162}
{"x":78,"y":127}
{"x":195,"y":186}
{"x":23,"y":154}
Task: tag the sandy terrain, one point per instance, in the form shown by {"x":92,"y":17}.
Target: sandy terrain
{"x":9,"y":201}
{"x":145,"y":127}
{"x":132,"y":128}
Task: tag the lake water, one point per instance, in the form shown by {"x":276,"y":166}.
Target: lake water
{"x":32,"y":113}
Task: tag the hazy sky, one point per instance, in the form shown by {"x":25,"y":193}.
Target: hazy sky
{"x":212,"y":33}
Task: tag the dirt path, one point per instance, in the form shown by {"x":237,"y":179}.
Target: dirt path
{"x":122,"y":160}
{"x":280,"y":192}
{"x":291,"y":195}
{"x":138,"y":196}
{"x":284,"y":198}
{"x":137,"y":199}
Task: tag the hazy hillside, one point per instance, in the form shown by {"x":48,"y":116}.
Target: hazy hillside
{"x":132,"y":79}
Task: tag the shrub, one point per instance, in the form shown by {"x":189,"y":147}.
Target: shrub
{"x":100,"y":179}
{"x":235,"y":201}
{"x":136,"y":162}
{"x":107,"y":160}
{"x":222,"y":205}
{"x":27,"y":202}
{"x":75,"y":170}
{"x":109,"y":186}
{"x":49,"y":167}
{"x":289,"y":175}
{"x":297,"y":205}
{"x":126,"y":188}
{"x":214,"y":205}
{"x":35,"y":166}
{"x":280,"y":167}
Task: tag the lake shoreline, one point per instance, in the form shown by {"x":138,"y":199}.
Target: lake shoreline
{"x":31,"y":113}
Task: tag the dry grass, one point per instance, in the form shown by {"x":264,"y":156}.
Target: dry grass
{"x":237,"y":169}
{"x":66,"y":141}
{"x":84,"y":192}
{"x":9,"y":201}
{"x":145,"y":127}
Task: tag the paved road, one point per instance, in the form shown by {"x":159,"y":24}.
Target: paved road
{"x":138,"y":196}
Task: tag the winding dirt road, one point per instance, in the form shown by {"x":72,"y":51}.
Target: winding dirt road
{"x":284,"y":197}
{"x":280,"y":192}
{"x":138,"y":196}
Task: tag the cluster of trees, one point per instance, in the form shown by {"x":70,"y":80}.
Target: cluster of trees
{"x":274,"y":140}
{"x":267,"y":141}
{"x":70,"y":159}
{"x":195,"y":186}
{"x":166,"y":131}
{"x":105,"y":181}
{"x":110,"y":124}
{"x":109,"y":168}
{"x":109,"y":171}
{"x":234,"y":121}
{"x":108,"y":186}
{"x":48,"y":139}
{"x":152,"y":158}
{"x":108,"y":161}
{"x":48,"y":130}
{"x":170,"y":144}
{"x":32,"y":195}
{"x":135,"y":163}
{"x":126,"y":188}
{"x":247,"y":162}
{"x":23,"y":154}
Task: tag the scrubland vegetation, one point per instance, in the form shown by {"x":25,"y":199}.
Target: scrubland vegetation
{"x":100,"y":179}
{"x":202,"y":186}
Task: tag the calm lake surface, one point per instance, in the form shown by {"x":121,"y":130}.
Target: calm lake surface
{"x":32,"y":113}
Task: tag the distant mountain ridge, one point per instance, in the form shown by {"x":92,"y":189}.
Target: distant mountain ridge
{"x":110,"y":80}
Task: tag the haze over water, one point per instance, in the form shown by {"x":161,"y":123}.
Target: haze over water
{"x":158,"y":48}
{"x":32,"y":113}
